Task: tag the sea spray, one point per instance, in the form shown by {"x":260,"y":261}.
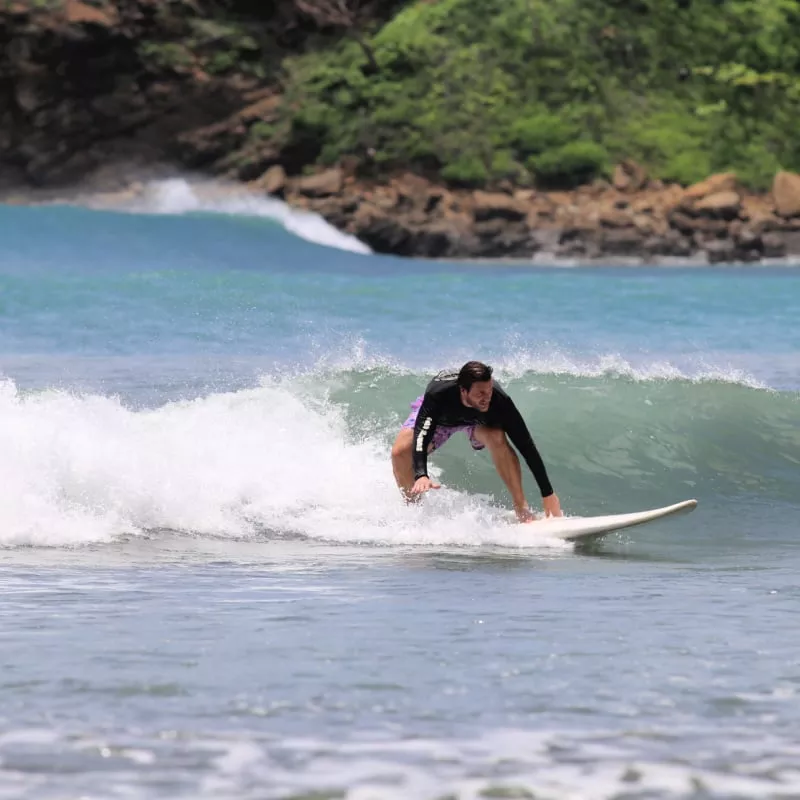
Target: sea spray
{"x":307,"y":455}
{"x":180,"y":196}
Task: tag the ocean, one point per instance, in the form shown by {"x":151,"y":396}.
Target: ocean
{"x":210,"y":588}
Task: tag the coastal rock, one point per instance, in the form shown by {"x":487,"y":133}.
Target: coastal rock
{"x":410,"y":190}
{"x":622,"y":242}
{"x":498,"y":239}
{"x":413,"y":197}
{"x":657,"y":201}
{"x":786,"y":194}
{"x":748,"y":239}
{"x":393,"y":234}
{"x":719,"y":205}
{"x":720,"y":251}
{"x":386,"y":198}
{"x":688,"y":225}
{"x":255,"y":161}
{"x":629,"y":177}
{"x":672,"y":243}
{"x":545,"y":240}
{"x":273,"y":181}
{"x":524,"y":196}
{"x":324,"y":184}
{"x":78,"y":13}
{"x":541,"y":209}
{"x":496,"y":205}
{"x":721,"y":182}
{"x":579,"y":248}
{"x":492,"y":228}
{"x":441,"y":201}
{"x":89,"y":82}
{"x":31,"y":93}
{"x":773,"y":245}
{"x":434,"y":242}
{"x":649,"y":225}
{"x":206,"y":145}
{"x":615,"y":218}
{"x":792,"y":243}
{"x":576,"y":232}
{"x":384,"y":234}
{"x":338,"y":210}
{"x":764,"y":223}
{"x":748,"y":243}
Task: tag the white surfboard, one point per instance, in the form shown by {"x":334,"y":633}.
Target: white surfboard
{"x":575,"y":528}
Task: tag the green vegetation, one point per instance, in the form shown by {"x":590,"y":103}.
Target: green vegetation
{"x":553,"y":92}
{"x":262,"y":131}
{"x":36,"y":5}
{"x":219,"y":47}
{"x":165,"y":55}
{"x":224,"y":47}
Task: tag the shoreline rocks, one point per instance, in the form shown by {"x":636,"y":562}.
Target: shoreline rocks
{"x":407,"y":215}
{"x":411,"y":217}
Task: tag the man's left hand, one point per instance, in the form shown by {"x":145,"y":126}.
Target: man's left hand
{"x":552,"y":506}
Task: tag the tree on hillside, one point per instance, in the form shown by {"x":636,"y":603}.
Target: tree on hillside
{"x":347,"y":14}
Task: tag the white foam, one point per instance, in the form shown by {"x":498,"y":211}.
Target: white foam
{"x":509,"y":763}
{"x":515,"y":361}
{"x":520,"y":361}
{"x":179,"y":196}
{"x":265,"y":461}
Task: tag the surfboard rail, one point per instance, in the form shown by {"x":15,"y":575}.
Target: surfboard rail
{"x":576,"y":528}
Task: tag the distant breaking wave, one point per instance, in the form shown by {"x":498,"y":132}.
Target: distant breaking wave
{"x":180,"y":196}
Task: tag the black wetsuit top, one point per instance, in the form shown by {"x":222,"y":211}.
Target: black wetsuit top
{"x":442,"y":406}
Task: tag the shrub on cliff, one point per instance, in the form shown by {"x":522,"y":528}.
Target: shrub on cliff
{"x":571,"y":165}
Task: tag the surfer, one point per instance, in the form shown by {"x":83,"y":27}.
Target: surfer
{"x":469,"y":400}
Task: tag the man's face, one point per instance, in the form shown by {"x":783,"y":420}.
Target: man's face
{"x":479,"y":395}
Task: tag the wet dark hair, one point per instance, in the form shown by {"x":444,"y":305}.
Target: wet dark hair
{"x":473,"y":372}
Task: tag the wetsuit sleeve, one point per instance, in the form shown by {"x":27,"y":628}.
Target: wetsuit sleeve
{"x":521,"y":438}
{"x":424,"y":428}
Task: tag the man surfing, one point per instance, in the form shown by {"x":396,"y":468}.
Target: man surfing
{"x":469,"y":401}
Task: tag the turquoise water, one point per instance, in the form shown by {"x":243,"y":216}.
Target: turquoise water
{"x":210,"y":589}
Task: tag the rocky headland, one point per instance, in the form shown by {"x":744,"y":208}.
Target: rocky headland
{"x":98,"y":94}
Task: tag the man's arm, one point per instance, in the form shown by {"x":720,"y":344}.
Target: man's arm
{"x":424,"y":428}
{"x":521,"y":438}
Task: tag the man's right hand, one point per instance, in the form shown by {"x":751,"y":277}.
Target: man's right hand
{"x":552,"y":506}
{"x":422,"y":485}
